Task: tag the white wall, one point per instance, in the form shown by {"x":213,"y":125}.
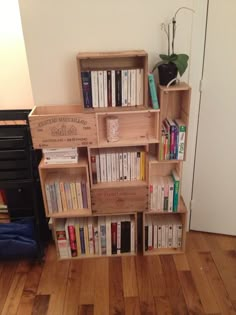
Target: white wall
{"x":55,"y":31}
{"x":15,"y":86}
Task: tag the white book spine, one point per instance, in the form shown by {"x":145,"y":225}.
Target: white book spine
{"x":133,"y":87}
{"x":135,"y":165}
{"x":171,"y":195}
{"x":125,"y":166}
{"x":181,"y":144}
{"x":79,"y":194}
{"x":150,"y":233}
{"x":163,"y":236}
{"x":113,"y":88}
{"x":96,"y":240}
{"x":113,"y":166}
{"x":48,"y":195}
{"x":156,"y":196}
{"x":179,"y":235}
{"x":129,"y":88}
{"x":139,"y":86}
{"x":170,"y":235}
{"x":94,"y":79}
{"x":162,"y":193}
{"x":105,"y":88}
{"x":117,"y":166}
{"x":154,"y":234}
{"x":128,"y":165}
{"x":151,"y":199}
{"x":100,"y":89}
{"x":98,"y":168}
{"x":121,"y":166}
{"x":109,"y":167}
{"x":159,"y":194}
{"x":138,"y":165}
{"x":108,"y":235}
{"x":174,"y":236}
{"x":102,"y":171}
{"x":159,"y":234}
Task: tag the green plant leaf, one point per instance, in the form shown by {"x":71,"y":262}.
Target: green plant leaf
{"x":164,"y":57}
{"x":181,"y":63}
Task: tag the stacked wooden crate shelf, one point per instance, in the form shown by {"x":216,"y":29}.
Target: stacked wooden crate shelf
{"x":140,"y":127}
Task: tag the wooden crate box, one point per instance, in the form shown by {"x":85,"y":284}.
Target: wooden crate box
{"x":62,"y":126}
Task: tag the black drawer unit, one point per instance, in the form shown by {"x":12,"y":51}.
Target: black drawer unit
{"x":19,"y":177}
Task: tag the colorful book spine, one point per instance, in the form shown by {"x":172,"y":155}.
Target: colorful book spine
{"x":72,"y":237}
{"x":181,"y":138}
{"x":176,"y":180}
{"x":153,"y":91}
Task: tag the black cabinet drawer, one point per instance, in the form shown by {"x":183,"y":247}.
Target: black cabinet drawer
{"x":15,"y":174}
{"x":13,"y":131}
{"x":13,"y":155}
{"x":20,"y":197}
{"x":12,"y":143}
{"x":14,"y":165}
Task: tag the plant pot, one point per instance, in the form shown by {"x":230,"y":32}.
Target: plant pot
{"x":167,"y":72}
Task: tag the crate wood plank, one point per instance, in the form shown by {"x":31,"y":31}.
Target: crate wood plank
{"x":119,"y":200}
{"x":63,"y":130}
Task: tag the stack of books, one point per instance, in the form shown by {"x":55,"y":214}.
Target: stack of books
{"x":61,"y":155}
{"x":4,"y":216}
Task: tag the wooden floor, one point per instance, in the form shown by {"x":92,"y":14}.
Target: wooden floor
{"x":203,"y":281}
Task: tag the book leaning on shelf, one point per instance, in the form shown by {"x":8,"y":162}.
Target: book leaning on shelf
{"x":60,"y":155}
{"x":108,"y":235}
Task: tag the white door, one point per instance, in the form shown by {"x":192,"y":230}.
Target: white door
{"x":214,"y":188}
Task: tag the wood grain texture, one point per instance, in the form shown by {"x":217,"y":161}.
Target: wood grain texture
{"x":217,"y":284}
{"x":147,"y":305}
{"x":73,"y":288}
{"x":86,"y":310}
{"x":206,"y":294}
{"x":41,"y":304}
{"x":87,"y":293}
{"x":156,"y":276}
{"x":173,"y":288}
{"x":163,"y":306}
{"x":130,"y":285}
{"x":30,"y":289}
{"x":101,"y":299}
{"x":132,"y":306}
{"x":190,"y":293}
{"x":181,"y":262}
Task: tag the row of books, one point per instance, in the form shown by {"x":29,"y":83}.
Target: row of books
{"x":164,"y":192}
{"x":163,"y":232}
{"x":65,"y":193}
{"x":111,"y":88}
{"x":108,"y":235}
{"x":60,"y":155}
{"x":173,"y":135}
{"x":110,"y":165}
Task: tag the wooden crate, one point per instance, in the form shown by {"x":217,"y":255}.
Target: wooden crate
{"x":65,"y":173}
{"x":182,"y":214}
{"x":119,"y":199}
{"x":62,"y":126}
{"x":139,"y":127}
{"x":134,"y":59}
{"x":175,"y":103}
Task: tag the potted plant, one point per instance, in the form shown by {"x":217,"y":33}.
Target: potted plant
{"x":171,"y":64}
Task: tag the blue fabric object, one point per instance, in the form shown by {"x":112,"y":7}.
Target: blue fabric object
{"x":17,"y":239}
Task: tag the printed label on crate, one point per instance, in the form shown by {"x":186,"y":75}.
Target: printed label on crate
{"x":66,"y":131}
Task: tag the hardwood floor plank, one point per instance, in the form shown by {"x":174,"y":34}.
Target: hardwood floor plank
{"x":101,"y":299}
{"x":86,"y":310}
{"x":190,"y":293}
{"x":195,"y":241}
{"x":147,"y":305}
{"x":132,"y":306}
{"x":14,"y":294}
{"x":130,"y":285}
{"x":53,"y":282}
{"x":206,"y":294}
{"x":217,"y":284}
{"x":156,"y":275}
{"x":7,"y":275}
{"x":86,"y":296}
{"x":173,"y":287}
{"x":30,"y":290}
{"x":73,"y":288}
{"x":116,"y":294}
{"x":40,"y":306}
{"x":226,"y":242}
{"x":163,"y":306}
{"x":181,"y":262}
{"x":225,"y":262}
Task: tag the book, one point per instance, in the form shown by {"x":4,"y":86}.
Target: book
{"x":94,"y":82}
{"x":118,"y":87}
{"x":109,"y":88}
{"x":153,"y":91}
{"x":62,"y":242}
{"x":113,"y":236}
{"x":87,"y":88}
{"x":94,"y":169}
{"x":133,"y":96}
{"x":125,"y":235}
{"x":139,"y":86}
{"x":181,"y":127}
{"x":176,"y":180}
{"x":100,"y":89}
{"x":105,"y":88}
{"x":70,"y":225}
